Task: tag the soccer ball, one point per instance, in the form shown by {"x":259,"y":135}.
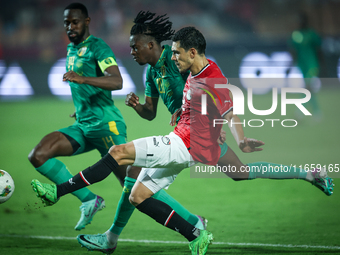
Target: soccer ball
{"x":6,"y":186}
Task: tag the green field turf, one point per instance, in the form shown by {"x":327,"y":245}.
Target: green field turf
{"x":249,"y":217}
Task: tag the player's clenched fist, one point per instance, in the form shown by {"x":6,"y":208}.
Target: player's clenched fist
{"x":73,"y":77}
{"x":132,"y":100}
{"x":250,"y":145}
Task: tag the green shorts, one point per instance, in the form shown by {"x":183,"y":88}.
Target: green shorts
{"x":224,"y":148}
{"x":100,"y":138}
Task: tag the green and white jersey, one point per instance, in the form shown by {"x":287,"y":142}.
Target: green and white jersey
{"x":165,"y":81}
{"x":94,"y":106}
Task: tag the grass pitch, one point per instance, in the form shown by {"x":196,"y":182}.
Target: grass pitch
{"x":248,"y":217}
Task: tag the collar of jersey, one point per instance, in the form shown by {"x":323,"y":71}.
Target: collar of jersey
{"x":161,"y":59}
{"x":203,"y":69}
{"x":85,"y":41}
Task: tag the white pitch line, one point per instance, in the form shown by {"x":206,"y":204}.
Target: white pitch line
{"x":180,"y":242}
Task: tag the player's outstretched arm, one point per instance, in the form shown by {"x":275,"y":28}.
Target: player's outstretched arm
{"x":244,"y":143}
{"x":148,"y":110}
{"x":112,"y":80}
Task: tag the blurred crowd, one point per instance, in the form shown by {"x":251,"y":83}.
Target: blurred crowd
{"x":32,"y":29}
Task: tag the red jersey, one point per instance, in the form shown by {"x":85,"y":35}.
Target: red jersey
{"x":196,"y":129}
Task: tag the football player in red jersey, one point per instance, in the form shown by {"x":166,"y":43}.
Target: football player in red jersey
{"x":166,"y":156}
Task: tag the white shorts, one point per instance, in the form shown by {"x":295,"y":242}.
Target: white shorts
{"x":163,"y":157}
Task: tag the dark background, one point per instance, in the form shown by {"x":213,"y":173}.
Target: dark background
{"x":32,"y":34}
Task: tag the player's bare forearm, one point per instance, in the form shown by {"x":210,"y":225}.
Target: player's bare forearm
{"x":112,"y":80}
{"x":146,"y":110}
{"x":108,"y":82}
{"x":245,"y":144}
{"x":104,"y":82}
{"x":235,"y":129}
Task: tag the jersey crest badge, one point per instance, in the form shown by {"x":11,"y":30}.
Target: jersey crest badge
{"x":82,"y":51}
{"x":108,"y":61}
{"x":166,"y":140}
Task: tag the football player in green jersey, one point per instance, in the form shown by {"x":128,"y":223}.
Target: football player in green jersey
{"x":165,"y":81}
{"x":92,"y":73}
{"x":305,"y":47}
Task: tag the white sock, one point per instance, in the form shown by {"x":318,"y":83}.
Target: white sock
{"x":309,"y":176}
{"x":111,"y":238}
{"x":199,"y":224}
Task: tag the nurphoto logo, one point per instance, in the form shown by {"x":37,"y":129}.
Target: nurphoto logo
{"x":239,"y":99}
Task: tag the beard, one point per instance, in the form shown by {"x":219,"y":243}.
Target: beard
{"x":78,"y":38}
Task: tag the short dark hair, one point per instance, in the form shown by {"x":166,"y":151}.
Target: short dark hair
{"x":190,"y":37}
{"x":78,"y":6}
{"x":158,"y":27}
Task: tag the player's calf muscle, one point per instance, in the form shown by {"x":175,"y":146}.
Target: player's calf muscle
{"x":52,"y":145}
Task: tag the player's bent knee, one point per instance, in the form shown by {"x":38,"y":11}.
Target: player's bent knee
{"x":136,"y":198}
{"x":133,"y":200}
{"x":117,"y":151}
{"x":37,"y":157}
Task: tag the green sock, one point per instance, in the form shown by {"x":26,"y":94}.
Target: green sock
{"x":275,"y":171}
{"x":314,"y":102}
{"x":176,"y":206}
{"x":124,"y":208}
{"x":57,"y":172}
